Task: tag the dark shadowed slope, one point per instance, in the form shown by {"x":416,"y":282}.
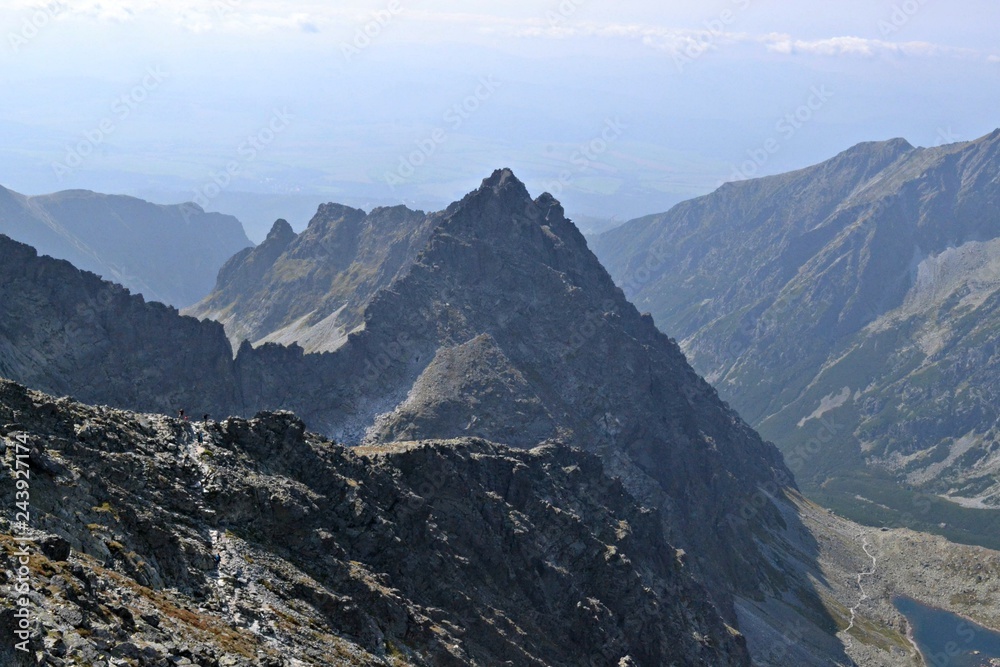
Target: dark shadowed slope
{"x":67,"y":331}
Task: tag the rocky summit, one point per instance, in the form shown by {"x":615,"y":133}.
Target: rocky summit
{"x":159,"y":541}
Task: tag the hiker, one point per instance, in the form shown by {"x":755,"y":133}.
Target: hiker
{"x":180,"y":414}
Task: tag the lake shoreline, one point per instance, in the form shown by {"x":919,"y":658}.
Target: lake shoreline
{"x":924,"y":623}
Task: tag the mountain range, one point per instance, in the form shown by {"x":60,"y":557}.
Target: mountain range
{"x":503,"y":326}
{"x":478,"y":366}
{"x":170,"y":254}
{"x":848,"y":311}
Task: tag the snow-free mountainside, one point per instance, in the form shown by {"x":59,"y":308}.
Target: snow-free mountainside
{"x":850,"y":312}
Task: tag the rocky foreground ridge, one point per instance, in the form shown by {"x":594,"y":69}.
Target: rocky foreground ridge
{"x":252,"y":542}
{"x":158,"y":541}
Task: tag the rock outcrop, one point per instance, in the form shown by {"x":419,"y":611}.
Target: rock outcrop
{"x":160,"y":541}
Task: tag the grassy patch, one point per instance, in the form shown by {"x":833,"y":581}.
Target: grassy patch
{"x":887,"y":504}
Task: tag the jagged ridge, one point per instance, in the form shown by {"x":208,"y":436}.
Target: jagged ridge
{"x":312,"y":288}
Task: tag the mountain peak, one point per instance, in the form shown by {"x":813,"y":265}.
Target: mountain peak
{"x":897,"y":146}
{"x":504,"y":182}
{"x":281,"y":232}
{"x":991,"y":138}
{"x":328,"y":213}
{"x":499,"y":177}
{"x":8,"y":195}
{"x":499,"y":200}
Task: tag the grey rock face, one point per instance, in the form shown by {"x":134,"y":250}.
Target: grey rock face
{"x":254,"y":542}
{"x":70,"y":333}
{"x":166,"y":253}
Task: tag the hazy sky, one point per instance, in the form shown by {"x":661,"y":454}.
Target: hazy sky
{"x":620,"y":109}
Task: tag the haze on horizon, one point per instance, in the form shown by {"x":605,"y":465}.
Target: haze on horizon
{"x":618,"y":109}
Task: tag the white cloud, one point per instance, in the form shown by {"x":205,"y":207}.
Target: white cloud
{"x":194,"y":15}
{"x":682,"y":40}
{"x":119,"y":11}
{"x":664,"y":39}
{"x":264,"y":16}
{"x":857,"y":46}
{"x":254,"y":23}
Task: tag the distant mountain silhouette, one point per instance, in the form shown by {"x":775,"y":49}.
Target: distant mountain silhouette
{"x":166,"y":253}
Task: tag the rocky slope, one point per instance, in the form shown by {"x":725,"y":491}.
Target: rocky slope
{"x":166,"y":253}
{"x":312,"y":289}
{"x":70,"y":333}
{"x":253,"y":542}
{"x":848,"y":311}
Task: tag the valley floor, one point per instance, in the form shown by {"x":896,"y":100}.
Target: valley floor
{"x":866,"y":568}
